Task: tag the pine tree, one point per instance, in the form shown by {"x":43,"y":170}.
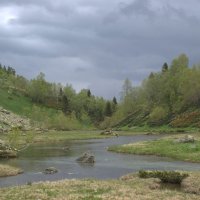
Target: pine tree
{"x":65,"y":101}
{"x":165,"y":67}
{"x":108,"y":109}
{"x":89,"y":93}
{"x":114,"y":100}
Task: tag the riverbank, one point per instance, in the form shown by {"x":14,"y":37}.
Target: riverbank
{"x":21,"y":139}
{"x":131,"y":187}
{"x":6,"y":170}
{"x":168,"y":147}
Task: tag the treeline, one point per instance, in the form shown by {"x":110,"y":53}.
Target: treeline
{"x":84,"y":106}
{"x":169,"y":96}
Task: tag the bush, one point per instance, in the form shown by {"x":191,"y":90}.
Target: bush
{"x":62,"y":122}
{"x":186,"y":119}
{"x":174,"y":177}
{"x":158,"y":116}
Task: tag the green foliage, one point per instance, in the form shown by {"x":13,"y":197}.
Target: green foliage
{"x":165,"y":67}
{"x":62,"y":122}
{"x":108,"y":109}
{"x":39,"y":89}
{"x":49,"y":98}
{"x":158,"y":116}
{"x":13,"y":138}
{"x":162,"y":96}
{"x":173,"y":177}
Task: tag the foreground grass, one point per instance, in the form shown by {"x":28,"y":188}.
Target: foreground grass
{"x":132,"y":188}
{"x":164,"y":147}
{"x":6,"y":170}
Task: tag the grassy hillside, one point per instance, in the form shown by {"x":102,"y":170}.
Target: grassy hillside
{"x":15,"y":102}
{"x":43,"y":116}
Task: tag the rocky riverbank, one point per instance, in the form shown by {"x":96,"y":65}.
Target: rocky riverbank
{"x":7,"y":151}
{"x":10,"y":121}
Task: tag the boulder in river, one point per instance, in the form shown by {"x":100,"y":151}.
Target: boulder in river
{"x":50,"y":170}
{"x":65,"y":148}
{"x":86,"y":158}
{"x":107,"y":132}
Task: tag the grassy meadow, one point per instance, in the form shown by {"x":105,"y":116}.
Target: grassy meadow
{"x":167,"y":147}
{"x":129,"y":187}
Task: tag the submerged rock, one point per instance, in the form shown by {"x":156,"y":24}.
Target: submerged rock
{"x":50,"y":170}
{"x":86,"y":158}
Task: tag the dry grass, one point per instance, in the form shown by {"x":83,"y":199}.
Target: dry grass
{"x":192,"y":183}
{"x":132,"y":188}
{"x":6,"y":170}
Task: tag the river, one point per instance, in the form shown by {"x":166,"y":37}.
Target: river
{"x":37,"y":157}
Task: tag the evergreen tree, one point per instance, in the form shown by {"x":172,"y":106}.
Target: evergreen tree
{"x":114,"y":100}
{"x":89,"y":93}
{"x":165,"y":67}
{"x":65,"y":101}
{"x":108,"y":109}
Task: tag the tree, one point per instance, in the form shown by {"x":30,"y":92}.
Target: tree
{"x":89,"y":93}
{"x":126,"y":88}
{"x":179,"y":64}
{"x":165,"y":67}
{"x":114,"y":104}
{"x":39,"y":89}
{"x":66,"y":107}
{"x":108,"y":109}
{"x":114,"y":100}
{"x":61,"y":92}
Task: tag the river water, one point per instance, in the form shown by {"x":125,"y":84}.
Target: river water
{"x":35,"y":159}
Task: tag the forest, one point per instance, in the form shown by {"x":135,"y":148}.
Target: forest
{"x":170,"y":97}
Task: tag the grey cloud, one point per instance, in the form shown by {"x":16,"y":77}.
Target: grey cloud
{"x":97,"y":44}
{"x":137,"y":7}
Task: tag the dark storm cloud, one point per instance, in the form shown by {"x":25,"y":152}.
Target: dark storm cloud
{"x":99,"y":43}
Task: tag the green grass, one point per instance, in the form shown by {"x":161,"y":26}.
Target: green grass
{"x":20,"y":104}
{"x":20,"y":139}
{"x":163,"y":147}
{"x":15,"y":103}
{"x":157,"y":129}
{"x":40,"y":115}
{"x":68,"y":135}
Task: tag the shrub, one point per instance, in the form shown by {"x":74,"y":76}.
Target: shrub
{"x":186,"y":119}
{"x":174,"y":177}
{"x":158,"y":116}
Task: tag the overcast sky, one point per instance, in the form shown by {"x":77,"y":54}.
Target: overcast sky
{"x":97,"y":44}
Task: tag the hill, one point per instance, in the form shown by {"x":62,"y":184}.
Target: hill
{"x":170,"y":97}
